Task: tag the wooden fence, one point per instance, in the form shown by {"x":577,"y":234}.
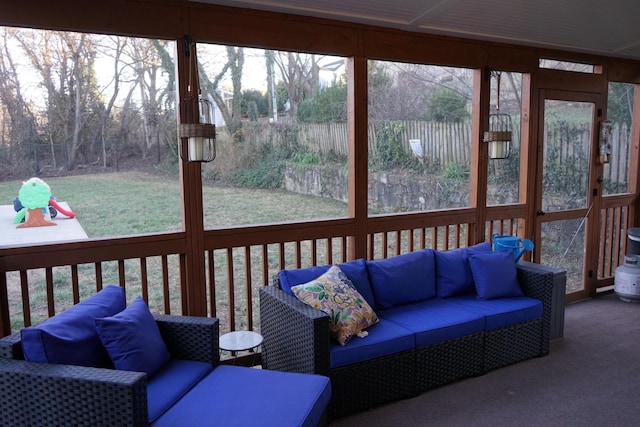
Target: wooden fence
{"x":444,"y":143}
{"x":567,"y":144}
{"x":440,"y":143}
{"x":616,"y":172}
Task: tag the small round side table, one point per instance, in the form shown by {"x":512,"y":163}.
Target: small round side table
{"x":240,"y":341}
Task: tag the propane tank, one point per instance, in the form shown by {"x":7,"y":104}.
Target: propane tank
{"x":627,"y":279}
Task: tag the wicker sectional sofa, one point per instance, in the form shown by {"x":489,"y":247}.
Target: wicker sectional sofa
{"x":191,"y":388}
{"x":423,"y":339}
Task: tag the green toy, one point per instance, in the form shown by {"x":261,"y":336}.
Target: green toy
{"x":34,"y":195}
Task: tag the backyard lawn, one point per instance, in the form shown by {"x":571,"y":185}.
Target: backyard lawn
{"x":129,"y":203}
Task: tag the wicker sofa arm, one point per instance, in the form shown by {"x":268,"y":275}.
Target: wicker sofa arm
{"x":190,"y":337}
{"x":296,"y":336}
{"x":538,"y":281}
{"x":11,"y":347}
{"x":42,"y":394}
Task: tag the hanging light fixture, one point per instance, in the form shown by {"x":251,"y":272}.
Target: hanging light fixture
{"x":196,"y":131}
{"x":500,"y":129}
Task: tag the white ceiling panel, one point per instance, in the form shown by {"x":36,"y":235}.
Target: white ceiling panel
{"x":591,"y":26}
{"x":576,"y":25}
{"x":364,"y":11}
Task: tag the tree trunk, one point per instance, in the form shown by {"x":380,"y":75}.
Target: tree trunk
{"x":35,"y":218}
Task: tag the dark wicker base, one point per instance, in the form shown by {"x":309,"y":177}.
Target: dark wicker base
{"x":450,"y":361}
{"x":362,"y":386}
{"x":512,"y":344}
{"x":42,"y":394}
{"x":296,"y":339}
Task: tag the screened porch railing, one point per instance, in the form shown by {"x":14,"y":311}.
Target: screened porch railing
{"x":39,"y":281}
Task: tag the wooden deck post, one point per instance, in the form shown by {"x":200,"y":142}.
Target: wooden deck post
{"x":358,"y":119}
{"x":193,"y":282}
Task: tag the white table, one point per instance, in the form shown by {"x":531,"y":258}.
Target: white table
{"x":66,"y":229}
{"x":240,"y":341}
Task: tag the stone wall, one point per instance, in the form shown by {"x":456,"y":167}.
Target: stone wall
{"x":388,"y":192}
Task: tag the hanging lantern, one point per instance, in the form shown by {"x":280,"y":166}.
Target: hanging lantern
{"x":499,"y":132}
{"x":196,"y":131}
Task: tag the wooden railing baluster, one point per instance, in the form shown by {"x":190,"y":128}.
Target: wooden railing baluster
{"x":231,"y":297}
{"x":75,"y":284}
{"x":26,"y":307}
{"x":248,"y":291}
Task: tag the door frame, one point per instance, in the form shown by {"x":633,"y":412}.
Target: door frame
{"x":594,"y":191}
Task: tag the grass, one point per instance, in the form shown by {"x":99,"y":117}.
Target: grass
{"x":129,"y":203}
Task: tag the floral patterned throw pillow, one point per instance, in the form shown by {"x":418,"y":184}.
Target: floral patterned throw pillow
{"x":333,"y":293}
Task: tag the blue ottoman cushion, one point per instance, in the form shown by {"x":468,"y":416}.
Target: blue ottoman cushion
{"x":240,"y":396}
{"x":172,"y":382}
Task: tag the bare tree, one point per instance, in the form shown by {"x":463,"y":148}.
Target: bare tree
{"x":212,"y":85}
{"x":22,"y":121}
{"x":148,"y":66}
{"x":301,"y":76}
{"x":65,"y":62}
{"x":112,"y":47}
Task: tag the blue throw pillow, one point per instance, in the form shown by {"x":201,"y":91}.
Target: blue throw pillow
{"x":495,"y":274}
{"x":403,"y":279}
{"x":70,"y":337}
{"x":355,"y":270}
{"x":453,"y":273}
{"x":480,"y":247}
{"x":133,"y":340}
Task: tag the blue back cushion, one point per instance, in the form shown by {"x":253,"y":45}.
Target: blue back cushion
{"x":70,"y":337}
{"x":495,"y":274}
{"x":355,"y":270}
{"x":133,"y":340}
{"x":403,"y":279}
{"x":453,"y":273}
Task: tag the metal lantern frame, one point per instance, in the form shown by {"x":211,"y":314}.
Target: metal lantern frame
{"x":500,"y":129}
{"x":196,"y":132}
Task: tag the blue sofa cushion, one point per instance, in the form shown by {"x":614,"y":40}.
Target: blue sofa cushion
{"x":403,"y":279}
{"x":240,"y":396}
{"x":133,"y":340}
{"x":70,"y":337}
{"x":435,"y":321}
{"x":495,"y":274}
{"x":453,"y":273}
{"x":355,"y":270}
{"x":172,"y":382}
{"x":383,"y":339}
{"x":501,"y":312}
